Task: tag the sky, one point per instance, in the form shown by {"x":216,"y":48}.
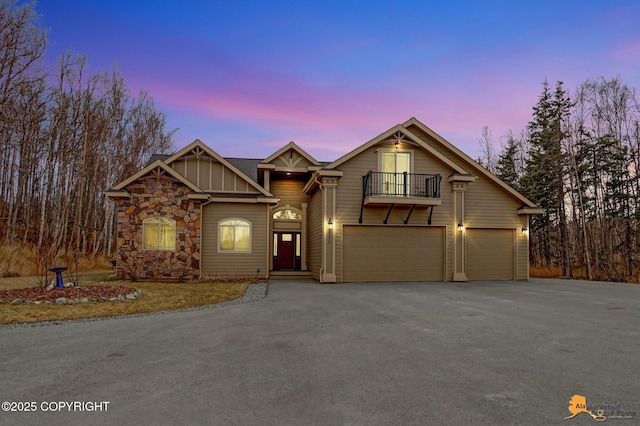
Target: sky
{"x":247,"y":77}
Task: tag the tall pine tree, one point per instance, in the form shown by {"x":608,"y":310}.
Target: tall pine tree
{"x":543,"y":181}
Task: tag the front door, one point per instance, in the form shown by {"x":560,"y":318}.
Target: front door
{"x":286,"y":251}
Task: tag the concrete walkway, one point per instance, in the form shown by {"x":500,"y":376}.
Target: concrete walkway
{"x":351,"y":354}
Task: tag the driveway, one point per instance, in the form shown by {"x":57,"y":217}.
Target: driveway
{"x":351,"y":354}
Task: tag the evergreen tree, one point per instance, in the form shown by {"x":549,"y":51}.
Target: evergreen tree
{"x":506,"y":168}
{"x":543,"y":181}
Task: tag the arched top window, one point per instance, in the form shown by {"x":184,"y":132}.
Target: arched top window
{"x":234,"y":236}
{"x":287,"y":214}
{"x":159,"y":233}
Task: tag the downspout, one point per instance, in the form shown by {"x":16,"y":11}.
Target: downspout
{"x":201,"y":233}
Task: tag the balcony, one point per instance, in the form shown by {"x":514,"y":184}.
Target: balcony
{"x":401,"y":188}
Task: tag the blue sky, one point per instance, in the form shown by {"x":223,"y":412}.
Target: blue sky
{"x":247,"y":77}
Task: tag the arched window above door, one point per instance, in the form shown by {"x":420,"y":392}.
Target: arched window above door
{"x":287,"y":214}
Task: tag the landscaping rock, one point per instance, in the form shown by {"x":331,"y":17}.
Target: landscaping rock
{"x":84,"y":300}
{"x":17,"y":301}
{"x":61,"y":301}
{"x":131,"y":296}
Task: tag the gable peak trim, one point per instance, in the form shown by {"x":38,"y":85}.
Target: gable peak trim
{"x":291,"y":146}
{"x":457,"y":152}
{"x":396,"y":132}
{"x":157,"y":168}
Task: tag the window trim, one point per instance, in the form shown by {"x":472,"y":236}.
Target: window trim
{"x":159,"y":221}
{"x":395,"y":151}
{"x":228,"y":219}
{"x":293,"y":209}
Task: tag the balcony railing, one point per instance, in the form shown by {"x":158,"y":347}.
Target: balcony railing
{"x":383,"y":184}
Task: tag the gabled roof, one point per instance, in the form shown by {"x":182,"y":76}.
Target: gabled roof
{"x":208,"y":151}
{"x":469,"y":161}
{"x":287,"y":147}
{"x":248,"y":166}
{"x":158,"y":164}
{"x":388,"y":134}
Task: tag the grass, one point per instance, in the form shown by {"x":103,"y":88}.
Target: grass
{"x":155,"y":297}
{"x":545,"y":272}
{"x":21,"y":261}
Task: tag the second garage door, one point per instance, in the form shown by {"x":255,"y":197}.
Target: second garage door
{"x":489,"y":254}
{"x":392,"y":253}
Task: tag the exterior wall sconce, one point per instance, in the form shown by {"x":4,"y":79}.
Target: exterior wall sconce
{"x":330,"y":224}
{"x":460,"y":227}
{"x":525,"y":231}
{"x":396,"y":144}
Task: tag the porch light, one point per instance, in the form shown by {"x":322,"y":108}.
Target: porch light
{"x":330,"y":224}
{"x":460,"y":227}
{"x":525,"y":231}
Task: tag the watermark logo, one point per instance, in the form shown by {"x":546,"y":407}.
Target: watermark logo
{"x":599,"y":412}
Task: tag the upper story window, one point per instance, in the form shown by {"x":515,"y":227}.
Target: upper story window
{"x":287,"y":214}
{"x":395,"y":161}
{"x":234,"y":235}
{"x":159,"y":233}
{"x":393,"y":165}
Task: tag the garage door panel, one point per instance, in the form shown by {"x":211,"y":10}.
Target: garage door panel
{"x":489,"y":254}
{"x":392,"y":253}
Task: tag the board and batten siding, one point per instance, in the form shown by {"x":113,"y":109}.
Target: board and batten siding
{"x":210,"y":175}
{"x":215,"y":264}
{"x":349,"y":199}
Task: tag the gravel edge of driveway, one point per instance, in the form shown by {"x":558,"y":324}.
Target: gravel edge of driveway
{"x":253,"y":293}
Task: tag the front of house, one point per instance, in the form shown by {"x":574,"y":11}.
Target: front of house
{"x":405,"y":206}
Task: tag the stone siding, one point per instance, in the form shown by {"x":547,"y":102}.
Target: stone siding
{"x":153,"y":196}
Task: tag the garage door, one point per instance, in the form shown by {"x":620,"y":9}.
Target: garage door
{"x":393,"y":253}
{"x":489,"y":254}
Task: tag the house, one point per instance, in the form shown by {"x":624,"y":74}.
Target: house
{"x":405,"y":206}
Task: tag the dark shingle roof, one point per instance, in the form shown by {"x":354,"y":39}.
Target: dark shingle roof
{"x":248,"y":166}
{"x":156,"y":157}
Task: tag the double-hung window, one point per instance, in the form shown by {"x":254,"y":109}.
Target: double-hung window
{"x":234,"y":236}
{"x":159,"y":233}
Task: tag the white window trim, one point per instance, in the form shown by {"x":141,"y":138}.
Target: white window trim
{"x":175,"y":233}
{"x":220,"y":250}
{"x":393,"y":150}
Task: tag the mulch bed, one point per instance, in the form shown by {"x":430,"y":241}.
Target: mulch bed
{"x":42,"y":295}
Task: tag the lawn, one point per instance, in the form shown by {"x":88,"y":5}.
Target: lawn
{"x":155,"y":297}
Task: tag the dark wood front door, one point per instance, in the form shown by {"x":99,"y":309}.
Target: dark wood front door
{"x":286,"y":251}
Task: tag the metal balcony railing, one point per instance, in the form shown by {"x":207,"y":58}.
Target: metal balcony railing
{"x":383,"y":184}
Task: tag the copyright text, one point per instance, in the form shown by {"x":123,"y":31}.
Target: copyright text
{"x":55,"y":406}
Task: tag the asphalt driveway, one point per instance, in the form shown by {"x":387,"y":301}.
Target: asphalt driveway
{"x":351,"y":354}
